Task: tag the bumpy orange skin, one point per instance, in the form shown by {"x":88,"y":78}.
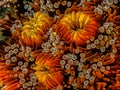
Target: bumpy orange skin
{"x":76,"y":27}
{"x":33,"y":30}
{"x":48,"y":71}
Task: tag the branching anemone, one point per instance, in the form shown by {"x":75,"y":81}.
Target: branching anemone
{"x":76,"y":27}
{"x":34,"y":29}
{"x":48,"y":71}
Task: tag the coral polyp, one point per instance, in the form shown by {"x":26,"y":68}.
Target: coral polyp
{"x":48,"y":71}
{"x":33,"y":30}
{"x":60,"y":45}
{"x":77,"y":27}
